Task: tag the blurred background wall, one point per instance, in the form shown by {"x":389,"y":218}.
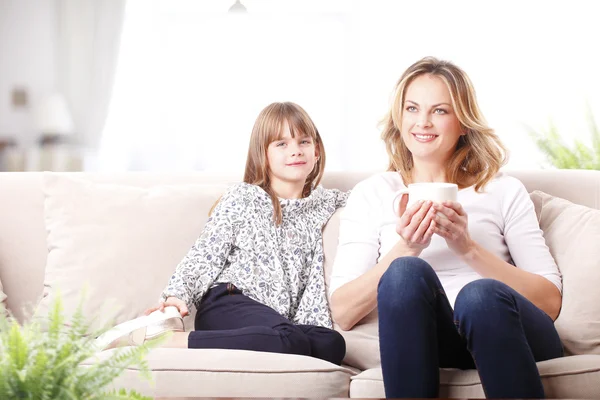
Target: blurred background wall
{"x":176,"y":85}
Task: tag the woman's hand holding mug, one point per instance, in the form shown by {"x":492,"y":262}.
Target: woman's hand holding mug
{"x":415,"y":205}
{"x":415,"y":226}
{"x":452,"y":224}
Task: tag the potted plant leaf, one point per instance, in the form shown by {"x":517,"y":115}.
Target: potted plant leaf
{"x":46,"y":363}
{"x":563,"y":156}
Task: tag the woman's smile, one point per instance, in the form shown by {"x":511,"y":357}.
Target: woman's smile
{"x":425,"y":138}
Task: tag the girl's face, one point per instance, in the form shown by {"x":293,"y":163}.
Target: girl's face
{"x":430,"y":128}
{"x":291,"y":160}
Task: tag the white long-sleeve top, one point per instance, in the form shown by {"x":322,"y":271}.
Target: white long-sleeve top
{"x":501,"y":219}
{"x":280,"y":266}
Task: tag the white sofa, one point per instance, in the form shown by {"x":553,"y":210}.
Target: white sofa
{"x":124,"y":233}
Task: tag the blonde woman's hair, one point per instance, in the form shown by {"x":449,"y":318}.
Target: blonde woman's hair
{"x":479,"y":153}
{"x":268,"y":128}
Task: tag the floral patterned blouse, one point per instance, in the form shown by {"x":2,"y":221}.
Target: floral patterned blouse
{"x":280,"y":266}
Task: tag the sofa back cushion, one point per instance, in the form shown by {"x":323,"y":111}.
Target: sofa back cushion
{"x":572,"y":233}
{"x":23,"y":248}
{"x":22,"y":241}
{"x":117,"y":245}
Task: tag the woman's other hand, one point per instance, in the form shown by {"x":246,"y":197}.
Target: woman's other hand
{"x":170,"y":301}
{"x":415,"y":226}
{"x":453,"y":226}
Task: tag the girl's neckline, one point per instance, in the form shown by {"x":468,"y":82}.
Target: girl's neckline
{"x":289,"y":205}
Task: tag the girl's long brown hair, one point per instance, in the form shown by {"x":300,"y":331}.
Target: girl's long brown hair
{"x":479,"y":154}
{"x":268,"y":128}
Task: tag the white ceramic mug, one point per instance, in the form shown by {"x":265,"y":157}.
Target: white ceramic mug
{"x":437,"y":192}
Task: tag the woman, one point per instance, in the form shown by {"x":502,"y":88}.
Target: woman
{"x":466,"y":284}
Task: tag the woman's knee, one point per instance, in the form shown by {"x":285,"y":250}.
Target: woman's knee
{"x":482,"y":300}
{"x":403,"y":278}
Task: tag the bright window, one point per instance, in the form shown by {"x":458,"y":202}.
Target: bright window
{"x":192,"y":78}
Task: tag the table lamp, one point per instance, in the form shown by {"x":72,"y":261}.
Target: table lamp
{"x":237,"y":8}
{"x":53,"y":120}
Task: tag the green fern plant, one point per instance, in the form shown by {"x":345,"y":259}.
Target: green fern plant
{"x":40,"y":364}
{"x":562,"y":156}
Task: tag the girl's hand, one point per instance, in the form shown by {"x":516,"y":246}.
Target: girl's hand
{"x":171,"y":301}
{"x":415,"y":226}
{"x":454,"y":227}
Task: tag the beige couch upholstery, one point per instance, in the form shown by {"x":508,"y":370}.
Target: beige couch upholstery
{"x":123,"y":234}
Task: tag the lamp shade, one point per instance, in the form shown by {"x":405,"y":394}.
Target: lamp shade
{"x":237,"y":8}
{"x":53,"y":117}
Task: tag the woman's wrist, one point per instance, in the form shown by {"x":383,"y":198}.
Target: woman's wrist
{"x":469,"y":254}
{"x":402,"y":250}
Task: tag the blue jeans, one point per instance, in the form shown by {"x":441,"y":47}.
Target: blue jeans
{"x":492,"y":328}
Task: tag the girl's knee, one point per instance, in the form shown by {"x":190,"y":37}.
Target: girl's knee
{"x":331,"y":347}
{"x":337,"y":344}
{"x":326,"y":344}
{"x":294,"y":340}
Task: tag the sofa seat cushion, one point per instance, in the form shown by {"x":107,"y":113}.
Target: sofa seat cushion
{"x":236,"y":373}
{"x":567,"y":377}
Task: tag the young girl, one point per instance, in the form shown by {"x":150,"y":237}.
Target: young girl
{"x":255,"y":274}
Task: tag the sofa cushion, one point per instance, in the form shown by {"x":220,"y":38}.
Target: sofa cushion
{"x":572,"y":233}
{"x":119,"y":244}
{"x":576,"y":377}
{"x":236,"y":373}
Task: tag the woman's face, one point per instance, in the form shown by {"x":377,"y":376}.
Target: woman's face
{"x":430,"y":128}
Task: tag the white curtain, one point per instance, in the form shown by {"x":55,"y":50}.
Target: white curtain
{"x":89,"y":33}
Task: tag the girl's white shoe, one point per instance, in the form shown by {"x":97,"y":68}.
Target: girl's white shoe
{"x":137,"y":331}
